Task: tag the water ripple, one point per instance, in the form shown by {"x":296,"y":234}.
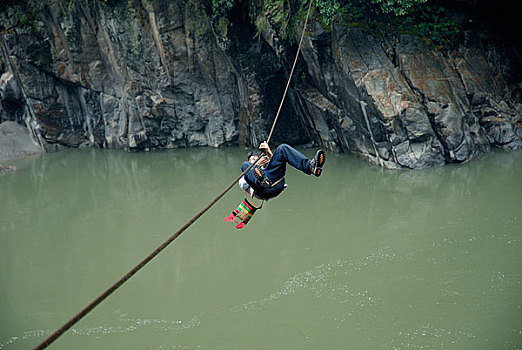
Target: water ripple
{"x":134,"y":324}
{"x":428,"y":337}
{"x":25,"y":336}
{"x":328,"y":280}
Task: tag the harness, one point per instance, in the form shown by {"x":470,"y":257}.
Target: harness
{"x":264,"y":187}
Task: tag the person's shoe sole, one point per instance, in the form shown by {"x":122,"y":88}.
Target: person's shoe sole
{"x":320,"y":158}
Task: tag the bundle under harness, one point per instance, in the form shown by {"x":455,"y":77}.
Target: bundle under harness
{"x":243,"y":213}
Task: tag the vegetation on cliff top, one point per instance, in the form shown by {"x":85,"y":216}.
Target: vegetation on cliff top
{"x":418,"y":17}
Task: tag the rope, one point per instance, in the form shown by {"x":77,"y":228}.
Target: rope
{"x":291,"y":74}
{"x":138,"y":267}
{"x":50,"y":339}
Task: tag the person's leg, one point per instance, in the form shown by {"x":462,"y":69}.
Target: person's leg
{"x":276,"y":168}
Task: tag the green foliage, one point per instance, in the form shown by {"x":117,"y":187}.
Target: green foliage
{"x":416,"y":17}
{"x":357,"y":9}
{"x":354,"y":11}
{"x":22,"y":17}
{"x":433,"y":24}
{"x":284,"y":13}
{"x":398,"y":7}
{"x":221,"y":8}
{"x":220,"y":12}
{"x":21,"y":14}
{"x":328,"y":9}
{"x":281,"y":12}
{"x":198,"y":22}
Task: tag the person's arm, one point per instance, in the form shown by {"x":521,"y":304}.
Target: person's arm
{"x":264,"y":146}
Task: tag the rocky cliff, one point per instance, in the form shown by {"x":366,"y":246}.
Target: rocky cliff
{"x":145,"y":75}
{"x":140,"y":76}
{"x":401,"y":104}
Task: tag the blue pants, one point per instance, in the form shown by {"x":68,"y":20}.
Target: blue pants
{"x":276,"y":169}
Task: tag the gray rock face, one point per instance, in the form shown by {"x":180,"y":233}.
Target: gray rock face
{"x":16,"y":142}
{"x":423,"y":108}
{"x":142,"y":76}
{"x":152,"y":75}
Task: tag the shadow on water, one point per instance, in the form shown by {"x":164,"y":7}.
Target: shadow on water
{"x":362,"y":257}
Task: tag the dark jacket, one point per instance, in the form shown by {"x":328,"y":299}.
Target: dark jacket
{"x":262,"y":189}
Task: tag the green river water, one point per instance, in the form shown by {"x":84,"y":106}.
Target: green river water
{"x":360,"y":258}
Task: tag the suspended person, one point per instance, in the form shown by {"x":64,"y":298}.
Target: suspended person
{"x":266,"y":179}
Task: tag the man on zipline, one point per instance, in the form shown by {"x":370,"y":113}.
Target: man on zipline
{"x":266,"y":179}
